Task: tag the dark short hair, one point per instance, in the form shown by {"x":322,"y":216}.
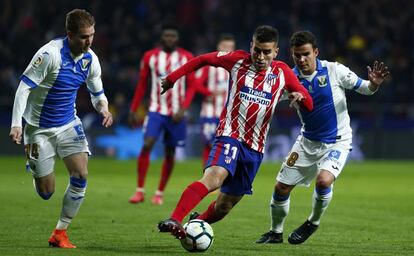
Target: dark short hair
{"x":77,"y":19}
{"x":303,"y":37}
{"x":226,"y":37}
{"x":265,"y":34}
{"x":169,"y":26}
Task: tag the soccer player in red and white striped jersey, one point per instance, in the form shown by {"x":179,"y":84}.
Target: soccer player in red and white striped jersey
{"x":257,"y":82}
{"x":214,"y":81}
{"x":165,"y":114}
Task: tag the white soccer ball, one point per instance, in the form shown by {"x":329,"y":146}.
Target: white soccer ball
{"x":199,"y":237}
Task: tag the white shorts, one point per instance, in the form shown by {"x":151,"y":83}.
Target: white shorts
{"x":307,"y":158}
{"x":42,"y":144}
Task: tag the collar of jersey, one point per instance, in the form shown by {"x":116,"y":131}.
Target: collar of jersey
{"x":319,"y":68}
{"x":66,"y":49}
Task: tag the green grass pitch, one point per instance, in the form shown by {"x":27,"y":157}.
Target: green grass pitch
{"x":372,"y":213}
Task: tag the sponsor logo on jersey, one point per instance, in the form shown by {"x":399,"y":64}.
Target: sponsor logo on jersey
{"x":79,"y":138}
{"x":255,"y":96}
{"x":310,"y":89}
{"x":79,"y":129}
{"x":219,"y":54}
{"x":334,"y":154}
{"x":322,"y":81}
{"x":38,"y":61}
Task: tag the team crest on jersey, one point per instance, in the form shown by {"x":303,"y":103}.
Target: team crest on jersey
{"x":322,"y":81}
{"x":271,"y":78}
{"x":85,"y":63}
{"x":310,"y":89}
{"x":219,"y":54}
{"x":227,"y":160}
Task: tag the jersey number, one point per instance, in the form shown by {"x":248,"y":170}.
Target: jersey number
{"x":32,"y":151}
{"x":292,"y":159}
{"x":227,"y":150}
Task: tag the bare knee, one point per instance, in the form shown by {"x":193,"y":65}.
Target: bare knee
{"x":324,"y":180}
{"x":44,"y":189}
{"x":169,"y":152}
{"x":283,"y":189}
{"x":77,"y":165}
{"x":214,"y":177}
{"x":148,"y":144}
{"x":80,"y":173}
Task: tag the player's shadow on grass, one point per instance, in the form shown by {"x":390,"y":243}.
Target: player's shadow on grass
{"x":139,"y":249}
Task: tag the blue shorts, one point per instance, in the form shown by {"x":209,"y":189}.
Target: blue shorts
{"x":208,"y":128}
{"x":239,"y":160}
{"x":174,"y":133}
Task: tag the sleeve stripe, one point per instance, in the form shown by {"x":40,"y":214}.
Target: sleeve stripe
{"x":28,"y":81}
{"x":96,"y":93}
{"x":358,"y":84}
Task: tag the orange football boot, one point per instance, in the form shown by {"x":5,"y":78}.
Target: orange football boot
{"x":59,"y":238}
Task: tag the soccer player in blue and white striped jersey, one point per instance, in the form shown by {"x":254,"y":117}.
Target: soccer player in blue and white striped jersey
{"x":322,"y":149}
{"x":46,"y":98}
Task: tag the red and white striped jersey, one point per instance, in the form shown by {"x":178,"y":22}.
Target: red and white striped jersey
{"x":214,"y":80}
{"x":253,"y":94}
{"x":156,"y":64}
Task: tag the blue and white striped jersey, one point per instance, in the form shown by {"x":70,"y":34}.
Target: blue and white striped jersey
{"x":329,"y":121}
{"x":55,"y":76}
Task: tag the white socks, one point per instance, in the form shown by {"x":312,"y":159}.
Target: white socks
{"x":320,"y":201}
{"x":72,"y":201}
{"x":279,"y":209}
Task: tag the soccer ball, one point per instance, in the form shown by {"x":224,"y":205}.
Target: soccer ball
{"x":199,"y":236}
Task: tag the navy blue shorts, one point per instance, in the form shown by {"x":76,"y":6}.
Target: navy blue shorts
{"x":239,"y":160}
{"x":208,"y":128}
{"x":174,"y":133}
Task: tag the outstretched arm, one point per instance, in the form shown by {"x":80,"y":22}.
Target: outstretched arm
{"x":376,"y":75}
{"x":217,"y":59}
{"x":349,"y":80}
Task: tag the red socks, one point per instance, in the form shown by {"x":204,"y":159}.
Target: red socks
{"x":167,"y":168}
{"x":210,"y":216}
{"x":143,"y":163}
{"x":190,"y":198}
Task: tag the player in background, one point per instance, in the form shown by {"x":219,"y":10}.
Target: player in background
{"x":213,"y":79}
{"x":322,"y":149}
{"x":46,"y":98}
{"x":257,"y":82}
{"x":166,"y":112}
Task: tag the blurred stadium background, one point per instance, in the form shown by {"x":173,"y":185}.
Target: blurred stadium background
{"x":372,"y":213}
{"x":354,"y":34}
